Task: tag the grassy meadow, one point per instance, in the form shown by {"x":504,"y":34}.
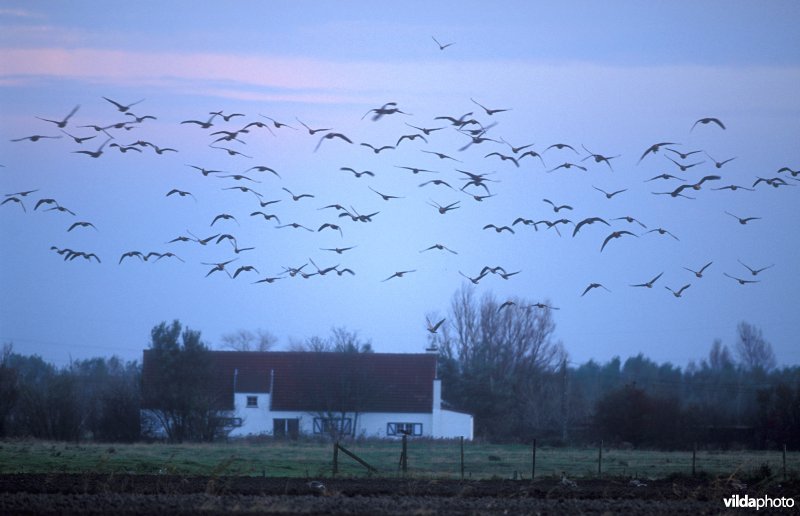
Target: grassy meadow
{"x":426,"y":459}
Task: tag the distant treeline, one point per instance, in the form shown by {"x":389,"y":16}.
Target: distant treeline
{"x":498,"y":362}
{"x":495,"y":363}
{"x":639,"y":403}
{"x":98,"y":398}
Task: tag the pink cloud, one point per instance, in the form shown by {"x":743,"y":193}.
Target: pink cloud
{"x":138,"y":67}
{"x":19,"y":13}
{"x":255,"y":77}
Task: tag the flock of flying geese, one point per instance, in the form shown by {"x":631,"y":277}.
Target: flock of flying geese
{"x":227,"y":133}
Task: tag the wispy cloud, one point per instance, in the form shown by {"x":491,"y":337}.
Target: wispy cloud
{"x":179,"y":70}
{"x":243,"y":77}
{"x":297,"y":79}
{"x":19,"y":13}
{"x":300,"y":97}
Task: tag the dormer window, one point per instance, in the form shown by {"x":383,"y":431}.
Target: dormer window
{"x":252,"y":402}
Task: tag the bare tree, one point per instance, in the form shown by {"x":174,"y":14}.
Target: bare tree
{"x":719,"y":357}
{"x":352,"y":387}
{"x":341,"y":340}
{"x":496,"y":359}
{"x":8,"y":349}
{"x":313,"y":344}
{"x":346,"y":341}
{"x":514,"y":336}
{"x":246,"y":340}
{"x":753,"y":350}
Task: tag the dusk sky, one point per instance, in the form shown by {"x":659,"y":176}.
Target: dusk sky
{"x":606,"y":78}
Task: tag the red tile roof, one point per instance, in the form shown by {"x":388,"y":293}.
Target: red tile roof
{"x":320,"y":382}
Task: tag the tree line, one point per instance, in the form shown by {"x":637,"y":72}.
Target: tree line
{"x":97,"y":398}
{"x":497,"y":361}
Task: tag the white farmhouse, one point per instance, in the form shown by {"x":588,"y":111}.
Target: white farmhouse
{"x":383,"y":395}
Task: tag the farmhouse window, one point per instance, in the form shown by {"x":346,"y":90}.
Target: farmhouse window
{"x":403,"y":428}
{"x":233,"y":422}
{"x":333,"y":425}
{"x":252,"y":401}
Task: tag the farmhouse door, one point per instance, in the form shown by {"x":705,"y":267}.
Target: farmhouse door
{"x":286,"y":428}
{"x":278,"y":428}
{"x":293,"y":428}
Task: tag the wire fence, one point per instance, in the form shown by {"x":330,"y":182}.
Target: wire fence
{"x":410,"y":457}
{"x":467,"y":460}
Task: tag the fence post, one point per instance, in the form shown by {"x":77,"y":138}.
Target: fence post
{"x":784,"y":462}
{"x":335,"y":458}
{"x":356,"y":458}
{"x":462,"y":458}
{"x":600,"y":460}
{"x":694,"y":458}
{"x":533,"y":460}
{"x":404,"y":456}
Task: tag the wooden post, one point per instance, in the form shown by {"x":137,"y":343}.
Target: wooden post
{"x":533,"y":460}
{"x":600,"y":460}
{"x":404,"y":455}
{"x":335,"y":458}
{"x":462,"y":458}
{"x":356,"y":458}
{"x":694,"y":458}
{"x":784,"y":462}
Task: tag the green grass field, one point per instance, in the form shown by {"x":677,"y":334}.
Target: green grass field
{"x":426,"y":459}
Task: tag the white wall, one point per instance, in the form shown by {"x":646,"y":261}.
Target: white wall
{"x":255,"y":420}
{"x":374,"y":424}
{"x":439,"y":423}
{"x":446,"y":423}
{"x":453,"y":425}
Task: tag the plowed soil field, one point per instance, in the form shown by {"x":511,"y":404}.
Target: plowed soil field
{"x":165,"y":494}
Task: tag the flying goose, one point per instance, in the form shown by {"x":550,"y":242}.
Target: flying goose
{"x":61,"y":124}
{"x":122,"y":108}
{"x":649,"y":284}
{"x":679,"y":291}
